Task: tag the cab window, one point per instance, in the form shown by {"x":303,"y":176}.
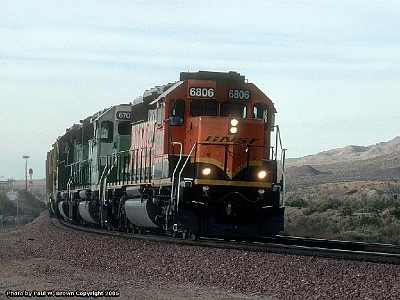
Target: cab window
{"x":233,"y":109}
{"x":106,"y":131}
{"x":203,"y":108}
{"x":176,"y":111}
{"x":124,"y":128}
{"x":260,"y":112}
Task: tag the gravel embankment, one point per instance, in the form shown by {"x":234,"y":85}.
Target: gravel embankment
{"x":40,"y":256}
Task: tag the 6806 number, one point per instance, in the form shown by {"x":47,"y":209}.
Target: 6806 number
{"x":202,"y":92}
{"x":239,"y":94}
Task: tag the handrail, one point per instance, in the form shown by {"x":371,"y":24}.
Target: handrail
{"x":180,"y":173}
{"x":104,"y":170}
{"x":176,"y":167}
{"x":68,"y":198}
{"x":103,"y":197}
{"x":281,"y":161}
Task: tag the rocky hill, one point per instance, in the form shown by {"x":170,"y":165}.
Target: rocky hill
{"x":376,"y":162}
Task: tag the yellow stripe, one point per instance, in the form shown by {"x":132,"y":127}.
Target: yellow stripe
{"x":206,"y":160}
{"x":231,"y":174}
{"x":233,"y":183}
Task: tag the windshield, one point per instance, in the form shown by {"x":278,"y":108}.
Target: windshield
{"x":233,"y":109}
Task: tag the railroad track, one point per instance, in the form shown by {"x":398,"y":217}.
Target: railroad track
{"x":345,"y":250}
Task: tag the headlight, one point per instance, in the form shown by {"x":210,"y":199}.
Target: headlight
{"x":233,"y":129}
{"x":206,"y":171}
{"x":262,"y":174}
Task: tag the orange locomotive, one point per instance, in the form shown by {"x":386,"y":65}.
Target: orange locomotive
{"x":200,"y":161}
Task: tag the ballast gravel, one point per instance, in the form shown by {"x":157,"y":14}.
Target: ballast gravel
{"x":41,"y":257}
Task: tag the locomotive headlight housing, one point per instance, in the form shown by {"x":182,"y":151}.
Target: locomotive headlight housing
{"x":233,"y":128}
{"x":206,"y":171}
{"x":262,"y":174}
{"x":234,"y":122}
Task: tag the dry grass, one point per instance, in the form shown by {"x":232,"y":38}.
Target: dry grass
{"x":360,"y":210}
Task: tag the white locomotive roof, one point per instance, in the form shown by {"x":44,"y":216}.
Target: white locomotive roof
{"x":174,"y":86}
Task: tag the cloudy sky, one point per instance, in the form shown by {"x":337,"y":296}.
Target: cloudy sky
{"x":332,"y":68}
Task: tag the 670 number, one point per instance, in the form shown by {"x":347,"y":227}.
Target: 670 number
{"x":202,"y":92}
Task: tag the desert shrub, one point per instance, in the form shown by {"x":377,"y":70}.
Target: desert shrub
{"x":33,"y":202}
{"x":6,"y":206}
{"x":297,"y":202}
{"x":381,"y":205}
{"x":324,"y":206}
{"x":377,"y":205}
{"x":309,"y":210}
{"x":390,"y":233}
{"x":365,"y":228}
{"x":372,"y":220}
{"x":345,"y":211}
{"x":363,"y":236}
{"x":367,"y":209}
{"x":316,"y":226}
{"x":396,"y":212}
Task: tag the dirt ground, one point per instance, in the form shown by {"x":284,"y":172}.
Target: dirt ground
{"x":40,"y":260}
{"x":23,"y":276}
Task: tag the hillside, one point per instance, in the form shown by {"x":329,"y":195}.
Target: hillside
{"x":351,"y":163}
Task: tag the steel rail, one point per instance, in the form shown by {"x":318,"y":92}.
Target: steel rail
{"x":320,"y":248}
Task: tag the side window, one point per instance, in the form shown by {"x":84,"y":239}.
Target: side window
{"x":176,"y":112}
{"x":203,"y":108}
{"x":151,"y":114}
{"x":106,"y":131}
{"x":159,"y":113}
{"x":260,"y":112}
{"x":233,"y":109}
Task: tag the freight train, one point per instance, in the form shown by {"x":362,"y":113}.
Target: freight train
{"x":200,"y":156}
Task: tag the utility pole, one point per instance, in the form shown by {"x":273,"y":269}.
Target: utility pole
{"x":26,"y":171}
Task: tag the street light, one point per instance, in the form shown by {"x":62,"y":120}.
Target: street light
{"x":26,"y":171}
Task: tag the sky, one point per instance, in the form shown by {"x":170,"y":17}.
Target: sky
{"x":332,"y":68}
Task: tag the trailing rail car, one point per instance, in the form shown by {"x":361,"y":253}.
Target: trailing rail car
{"x":200,"y":156}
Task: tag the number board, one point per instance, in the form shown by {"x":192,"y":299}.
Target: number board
{"x":238,"y":94}
{"x":123,"y":115}
{"x":201,"y":92}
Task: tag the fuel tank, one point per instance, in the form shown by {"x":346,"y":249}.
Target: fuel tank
{"x":63,"y":209}
{"x":143,"y":213}
{"x":89,"y":212}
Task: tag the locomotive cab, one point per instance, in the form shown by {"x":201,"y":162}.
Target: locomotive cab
{"x":214,"y":131}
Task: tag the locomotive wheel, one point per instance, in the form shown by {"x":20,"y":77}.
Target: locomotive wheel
{"x":192,"y":236}
{"x":176,"y":234}
{"x":188,"y":235}
{"x":128,"y":227}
